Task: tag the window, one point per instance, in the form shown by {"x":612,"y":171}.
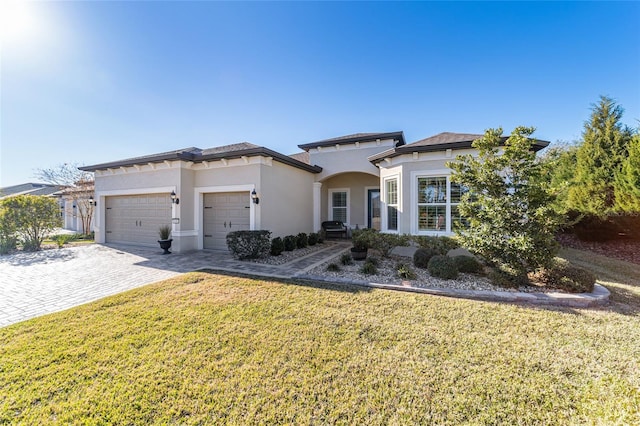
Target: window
{"x":438,"y":200}
{"x":457,"y":220}
{"x":391,"y":197}
{"x":339,"y":202}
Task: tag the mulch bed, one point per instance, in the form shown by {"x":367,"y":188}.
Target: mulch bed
{"x":627,"y":250}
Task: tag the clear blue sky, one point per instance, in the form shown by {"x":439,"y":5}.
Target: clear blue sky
{"x":91,"y":82}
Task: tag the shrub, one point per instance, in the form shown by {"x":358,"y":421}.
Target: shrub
{"x":422,"y":256}
{"x":290,"y":243}
{"x":442,"y":266}
{"x":164,"y":232}
{"x":322,"y":235}
{"x":468,"y":264}
{"x":373,"y":260}
{"x":362,"y":239}
{"x":313,"y":239}
{"x":369,"y":268}
{"x":333,"y":267}
{"x":302,"y":240}
{"x":565,"y":276}
{"x":441,"y":245}
{"x":62,"y":239}
{"x":249,"y":244}
{"x":346,"y":259}
{"x":385,"y":243}
{"x":503,"y":279}
{"x":277,"y":246}
{"x":8,"y":239}
{"x":405,"y":272}
{"x":33,"y":217}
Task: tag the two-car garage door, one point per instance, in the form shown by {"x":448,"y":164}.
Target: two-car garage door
{"x":135,"y":219}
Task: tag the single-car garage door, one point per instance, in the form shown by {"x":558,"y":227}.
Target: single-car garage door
{"x":135,"y":219}
{"x":224,"y":212}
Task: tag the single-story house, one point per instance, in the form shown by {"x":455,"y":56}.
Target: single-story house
{"x":366,"y":180}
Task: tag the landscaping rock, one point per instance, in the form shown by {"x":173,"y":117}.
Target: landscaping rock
{"x":404,"y":251}
{"x":460,"y":252}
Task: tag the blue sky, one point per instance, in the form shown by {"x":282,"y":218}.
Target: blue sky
{"x":91,"y":82}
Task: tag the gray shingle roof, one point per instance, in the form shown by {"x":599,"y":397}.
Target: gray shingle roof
{"x":302,"y":156}
{"x":356,"y":137}
{"x":30,"y":189}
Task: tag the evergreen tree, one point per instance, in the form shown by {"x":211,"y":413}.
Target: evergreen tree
{"x":559,"y":167}
{"x":598,"y":159}
{"x":511,"y":219}
{"x":627,"y":183}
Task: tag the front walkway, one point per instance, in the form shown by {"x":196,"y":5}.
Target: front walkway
{"x":34,"y":284}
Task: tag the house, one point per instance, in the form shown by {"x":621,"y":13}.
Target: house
{"x":371,"y":180}
{"x":31,"y":189}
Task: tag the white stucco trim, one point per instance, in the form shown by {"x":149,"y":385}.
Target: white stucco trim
{"x":330,"y":192}
{"x":414,"y":200}
{"x":317,"y":206}
{"x":199,"y":191}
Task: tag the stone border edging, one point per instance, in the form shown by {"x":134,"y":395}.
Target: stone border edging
{"x":599,"y":296}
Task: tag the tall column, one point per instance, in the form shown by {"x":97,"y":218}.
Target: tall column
{"x":317,"y":197}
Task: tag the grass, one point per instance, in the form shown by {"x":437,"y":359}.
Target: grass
{"x":212,"y":349}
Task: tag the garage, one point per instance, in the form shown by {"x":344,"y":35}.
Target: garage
{"x":135,"y":219}
{"x":224,"y":212}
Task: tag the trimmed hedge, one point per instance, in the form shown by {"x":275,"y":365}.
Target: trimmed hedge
{"x":249,"y":244}
{"x":277,"y":246}
{"x":468,"y":264}
{"x":441,"y":245}
{"x":290,"y":242}
{"x":302,"y":240}
{"x":441,"y":266}
{"x":313,"y":239}
{"x":422,"y":256}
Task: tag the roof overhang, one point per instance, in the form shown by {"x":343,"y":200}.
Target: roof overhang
{"x":370,"y":137}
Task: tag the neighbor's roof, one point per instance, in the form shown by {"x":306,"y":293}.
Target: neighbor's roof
{"x":30,"y":189}
{"x":302,"y":156}
{"x":356,"y":137}
{"x":440,"y":142}
{"x":228,"y":152}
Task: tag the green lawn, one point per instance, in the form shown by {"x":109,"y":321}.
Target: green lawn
{"x":207,"y":348}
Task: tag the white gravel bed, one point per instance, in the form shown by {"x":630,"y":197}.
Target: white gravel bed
{"x":387,"y":275}
{"x":288,"y":256}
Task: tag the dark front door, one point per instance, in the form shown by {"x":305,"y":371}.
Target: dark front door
{"x":373,"y":203}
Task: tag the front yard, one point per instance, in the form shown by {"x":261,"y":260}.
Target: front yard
{"x":207,"y":348}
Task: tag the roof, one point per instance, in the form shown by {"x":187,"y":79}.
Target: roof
{"x":356,"y":137}
{"x":442,"y":141}
{"x":302,"y":156}
{"x":193,"y":154}
{"x":30,"y":189}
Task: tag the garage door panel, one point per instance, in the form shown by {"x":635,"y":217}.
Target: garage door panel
{"x":135,"y":219}
{"x":223,"y":213}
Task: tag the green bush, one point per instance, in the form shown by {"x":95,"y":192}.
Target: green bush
{"x":32,"y":216}
{"x":346,"y":259}
{"x":333,"y":267}
{"x":503,"y":279}
{"x":385,"y":243}
{"x":441,"y":245}
{"x":363,"y":238}
{"x":468,"y":264}
{"x":373,"y":260}
{"x":404,"y":271}
{"x":313,"y":239}
{"x":63,"y":239}
{"x":277,"y":246}
{"x":290,"y":242}
{"x":565,"y":276}
{"x":441,"y":266}
{"x":8,"y":239}
{"x":368,"y":268}
{"x":302,"y":240}
{"x":249,"y":244}
{"x":422,"y":256}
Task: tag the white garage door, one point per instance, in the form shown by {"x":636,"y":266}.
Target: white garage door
{"x":135,"y":219}
{"x":224,"y":212}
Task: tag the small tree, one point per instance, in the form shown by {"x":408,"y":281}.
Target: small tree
{"x":33,"y":216}
{"x":80,"y":186}
{"x":627,"y":184}
{"x":509,"y":207}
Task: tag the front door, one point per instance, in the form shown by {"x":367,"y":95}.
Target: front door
{"x":373,"y":203}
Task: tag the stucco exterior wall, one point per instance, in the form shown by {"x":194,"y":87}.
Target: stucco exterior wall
{"x":286,"y":200}
{"x":347,"y":158}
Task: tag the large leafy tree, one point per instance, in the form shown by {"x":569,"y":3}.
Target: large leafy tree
{"x":509,"y":206}
{"x":627,"y":183}
{"x":33,"y":216}
{"x":598,"y":159}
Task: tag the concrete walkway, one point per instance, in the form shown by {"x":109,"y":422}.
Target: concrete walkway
{"x":35,"y":284}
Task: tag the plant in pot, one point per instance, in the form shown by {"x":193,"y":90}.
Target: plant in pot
{"x":165,"y":241}
{"x":360,"y":240}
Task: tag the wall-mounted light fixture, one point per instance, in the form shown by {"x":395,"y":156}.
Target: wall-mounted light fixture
{"x":254,"y":197}
{"x":91,"y":202}
{"x":174,"y":198}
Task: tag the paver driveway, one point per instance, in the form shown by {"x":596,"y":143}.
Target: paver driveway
{"x":33,"y":284}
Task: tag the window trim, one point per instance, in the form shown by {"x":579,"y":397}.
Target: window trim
{"x":330,"y":193}
{"x":436,"y":173}
{"x":383,"y":198}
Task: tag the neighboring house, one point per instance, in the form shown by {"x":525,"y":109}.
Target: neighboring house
{"x":77,"y":207}
{"x":367,"y":180}
{"x":31,"y":189}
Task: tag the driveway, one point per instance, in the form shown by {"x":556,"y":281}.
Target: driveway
{"x":34,"y":284}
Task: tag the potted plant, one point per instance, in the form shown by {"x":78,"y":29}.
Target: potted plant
{"x":360,"y":240}
{"x":165,"y":241}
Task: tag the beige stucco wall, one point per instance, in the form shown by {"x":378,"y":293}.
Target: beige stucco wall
{"x":356,"y":184}
{"x":347,"y":158}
